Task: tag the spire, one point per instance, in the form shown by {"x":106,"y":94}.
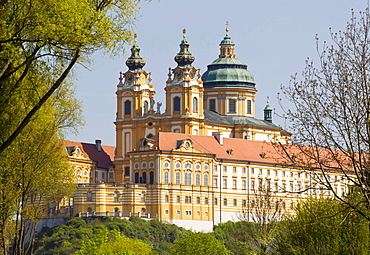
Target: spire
{"x":184,"y":57}
{"x":227,"y":45}
{"x":135,"y":62}
{"x":267,"y":112}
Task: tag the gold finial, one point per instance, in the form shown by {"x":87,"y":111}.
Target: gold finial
{"x":268,"y":99}
{"x":184,"y":33}
{"x":227,"y":28}
{"x":135,"y":38}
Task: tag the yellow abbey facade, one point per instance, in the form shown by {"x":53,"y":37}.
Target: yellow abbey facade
{"x":200,"y":161}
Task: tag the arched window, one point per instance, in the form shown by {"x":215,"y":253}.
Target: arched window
{"x":127,"y":170}
{"x":144,"y":177}
{"x":232,"y":105}
{"x":177,"y":178}
{"x":166,"y":177}
{"x":249,"y":106}
{"x":187,"y":178}
{"x":136,"y":177}
{"x":205,"y":179}
{"x":151,"y":177}
{"x":149,"y":136}
{"x":89,"y":196}
{"x":128,"y":107}
{"x":212,"y":104}
{"x":195,"y":104}
{"x":146,"y":107}
{"x":197,"y":180}
{"x":116,"y":196}
{"x":176,"y":104}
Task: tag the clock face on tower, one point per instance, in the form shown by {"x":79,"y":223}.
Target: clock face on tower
{"x":130,"y":78}
{"x":191,"y":74}
{"x":178,"y":74}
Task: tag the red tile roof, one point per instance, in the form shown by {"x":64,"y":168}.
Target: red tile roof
{"x":258,"y":151}
{"x":246,"y":150}
{"x":103,"y":158}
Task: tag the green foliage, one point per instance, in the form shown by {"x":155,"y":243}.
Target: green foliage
{"x":324,"y":226}
{"x":40,"y":42}
{"x":237,"y":236}
{"x":114,"y":242}
{"x":77,"y":234}
{"x":198,"y":243}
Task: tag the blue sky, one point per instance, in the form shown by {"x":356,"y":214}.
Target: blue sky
{"x":273,"y":37}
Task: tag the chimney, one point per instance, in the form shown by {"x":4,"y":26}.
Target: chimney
{"x":98,"y":144}
{"x":219,"y":137}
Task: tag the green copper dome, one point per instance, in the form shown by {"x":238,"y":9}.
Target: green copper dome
{"x":228,"y":73}
{"x":227,"y":40}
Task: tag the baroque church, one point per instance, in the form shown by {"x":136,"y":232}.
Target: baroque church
{"x":197,"y":163}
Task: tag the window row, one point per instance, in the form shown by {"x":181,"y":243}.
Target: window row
{"x":187,"y":212}
{"x":144,"y":165}
{"x":177,"y":104}
{"x":187,"y":178}
{"x":232,"y":105}
{"x":143,"y":178}
{"x":185,"y":165}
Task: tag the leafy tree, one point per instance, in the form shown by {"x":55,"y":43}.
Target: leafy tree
{"x":264,"y":210}
{"x":324,"y":226}
{"x":237,"y":236}
{"x":53,"y":36}
{"x":114,"y":242}
{"x":331,"y":114}
{"x":33,"y":170}
{"x":198,"y":243}
{"x":40,"y":43}
{"x":67,"y":239}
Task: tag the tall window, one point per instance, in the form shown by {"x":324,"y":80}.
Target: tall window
{"x":187,"y":178}
{"x":212,"y":104}
{"x":127,"y":170}
{"x":136,"y":177}
{"x":116,"y":196}
{"x":146,"y":107}
{"x":232,"y":105}
{"x":176,"y":104}
{"x":177,"y":178}
{"x":89,"y":196}
{"x":127,"y":107}
{"x":249,"y":106}
{"x":197,"y":179}
{"x":195,"y":104}
{"x":224,"y":183}
{"x":144,"y":177}
{"x":166,"y":177}
{"x":206,"y":180}
{"x":151,"y":177}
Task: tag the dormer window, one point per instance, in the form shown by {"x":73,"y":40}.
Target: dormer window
{"x":229,"y":152}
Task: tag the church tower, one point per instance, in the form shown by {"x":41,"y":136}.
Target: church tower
{"x":135,"y":100}
{"x":184,"y":92}
{"x":229,"y":88}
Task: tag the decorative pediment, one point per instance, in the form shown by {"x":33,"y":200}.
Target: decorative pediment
{"x":145,"y":144}
{"x":185,"y":145}
{"x":177,"y":89}
{"x":127,"y":94}
{"x":75,"y":152}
